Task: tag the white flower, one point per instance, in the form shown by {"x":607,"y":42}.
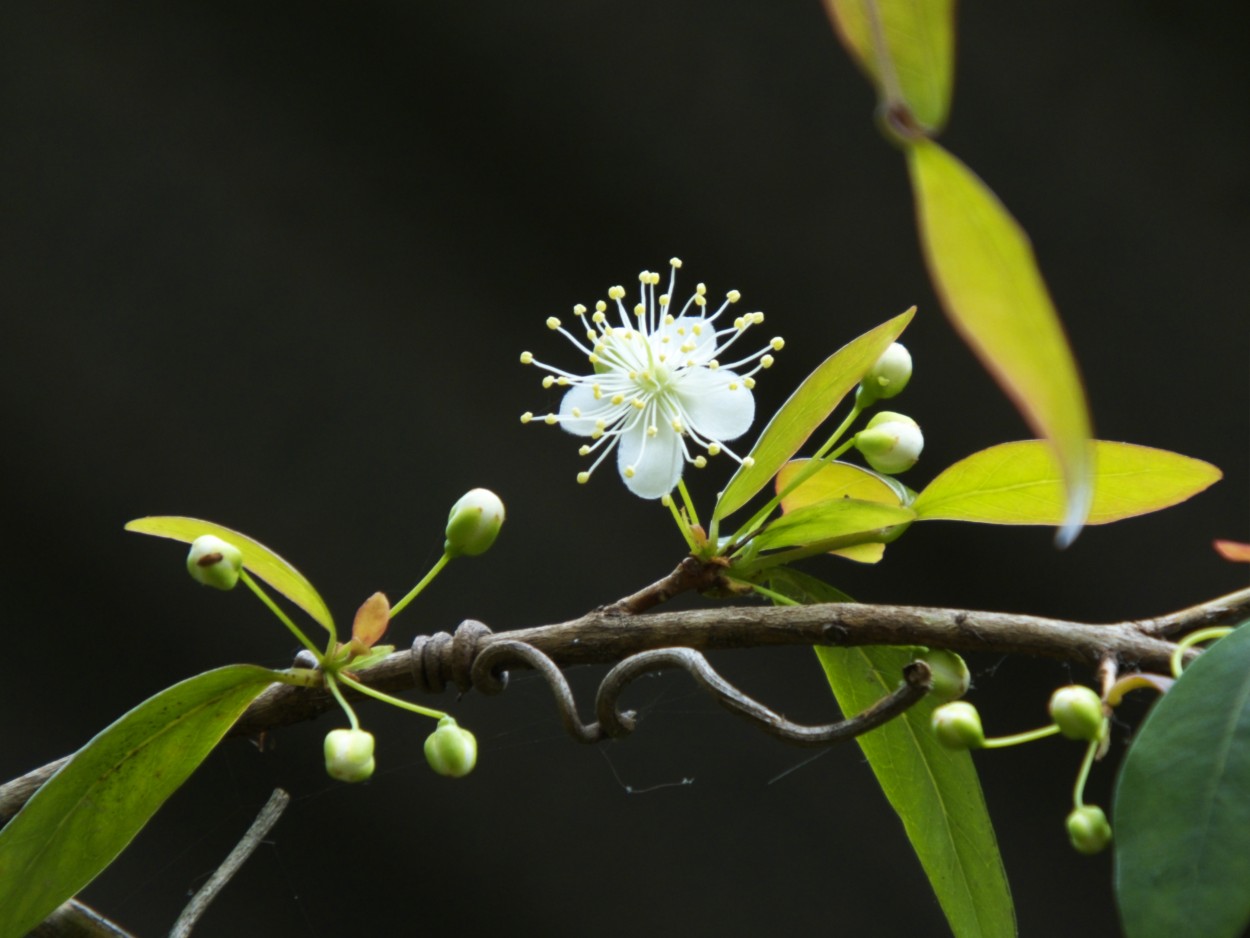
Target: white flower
{"x":656,"y":384}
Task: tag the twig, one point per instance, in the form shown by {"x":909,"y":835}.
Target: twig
{"x":246,"y":846}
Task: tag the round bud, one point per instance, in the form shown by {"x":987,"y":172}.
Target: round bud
{"x":888,"y":376}
{"x":474,"y":523}
{"x":214,"y":562}
{"x":950,"y":674}
{"x":891,"y":442}
{"x":349,"y":755}
{"x":451,"y":750}
{"x":958,"y":725}
{"x":1088,"y":829}
{"x":1077,"y":711}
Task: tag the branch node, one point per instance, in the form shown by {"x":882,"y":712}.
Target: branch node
{"x":435,"y":660}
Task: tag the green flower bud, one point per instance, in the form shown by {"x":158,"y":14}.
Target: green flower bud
{"x":950,"y":674}
{"x":1088,"y":829}
{"x":349,"y":755}
{"x":474,"y":523}
{"x":887,"y":378}
{"x":1077,"y":711}
{"x":958,"y":725}
{"x":451,"y":750}
{"x":891,"y":442}
{"x":214,"y":562}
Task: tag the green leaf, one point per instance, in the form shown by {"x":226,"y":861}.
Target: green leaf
{"x":825,"y":521}
{"x":920,"y":38}
{"x":934,"y":790}
{"x":84,"y":816}
{"x":1182,"y":815}
{"x":257,"y":558}
{"x":984,"y":270}
{"x":808,"y":407}
{"x":1020,"y":483}
{"x":836,"y":480}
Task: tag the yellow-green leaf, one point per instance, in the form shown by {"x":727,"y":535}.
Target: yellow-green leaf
{"x":836,"y":519}
{"x":808,"y":407}
{"x":983,"y":267}
{"x":257,"y":558}
{"x":1020,"y":483}
{"x":85,"y":815}
{"x":838,"y":480}
{"x":920,"y":38}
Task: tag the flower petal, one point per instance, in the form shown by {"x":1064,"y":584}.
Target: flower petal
{"x":712,"y":408}
{"x":581,"y":398}
{"x":656,"y":460}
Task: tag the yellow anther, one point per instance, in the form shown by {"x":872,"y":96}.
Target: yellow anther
{"x":733,"y":296}
{"x":583,"y":478}
{"x":757,"y":317}
{"x":527,"y":416}
{"x":549,"y":381}
{"x":583,"y":450}
{"x":700,"y":289}
{"x":616,"y":293}
{"x":629,"y":472}
{"x":668,"y":319}
{"x":597,"y":392}
{"x":740,"y":323}
{"x":687,"y":346}
{"x":579,"y":310}
{"x":600,"y":306}
{"x":551,"y":420}
{"x":675,"y":262}
{"x":778,"y":343}
{"x":562,"y":382}
{"x":677,"y":425}
{"x":618,"y":399}
{"x":666,"y":500}
{"x":591,"y":335}
{"x":700,"y":300}
{"x":749,"y":461}
{"x":598,"y":318}
{"x":733,"y":386}
{"x":663,"y":299}
{"x":638,"y":403}
{"x":553,"y":323}
{"x":767,"y":361}
{"x":577,"y":411}
{"x":713,"y":365}
{"x":700,"y":461}
{"x":697,"y":328}
{"x":527,"y":358}
{"x":748,"y":383}
{"x":714,"y":449}
{"x":652,"y":430}
{"x":640,"y":310}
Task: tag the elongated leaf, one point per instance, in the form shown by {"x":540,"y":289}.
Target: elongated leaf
{"x":84,"y":816}
{"x":1020,"y":483}
{"x":983,"y":267}
{"x":257,"y":558}
{"x":1182,"y":815}
{"x":837,"y":480}
{"x":920,"y":38}
{"x":824,"y":521}
{"x":808,"y":407}
{"x":934,"y":790}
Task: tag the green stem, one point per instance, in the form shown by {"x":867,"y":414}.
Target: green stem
{"x":333,"y":684}
{"x":393,"y":701}
{"x":682,"y":526}
{"x":1001,"y":742}
{"x":282,"y":616}
{"x":425,"y":581}
{"x":1192,"y":639}
{"x":1078,"y":793}
{"x":688,"y":502}
{"x":776,"y":597}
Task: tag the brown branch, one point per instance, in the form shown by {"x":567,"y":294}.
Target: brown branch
{"x":607,"y":636}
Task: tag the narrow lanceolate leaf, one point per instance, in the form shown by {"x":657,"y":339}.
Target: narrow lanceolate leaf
{"x":82,"y":818}
{"x":257,"y":558}
{"x":808,"y":407}
{"x":934,"y":790}
{"x":830,"y":520}
{"x":983,"y":267}
{"x":1182,"y":816}
{"x":1020,"y":483}
{"x":919,"y":37}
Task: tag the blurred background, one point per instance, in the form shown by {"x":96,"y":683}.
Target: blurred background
{"x":273,"y":265}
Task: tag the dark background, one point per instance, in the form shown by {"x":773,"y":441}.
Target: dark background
{"x":273,"y":264}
